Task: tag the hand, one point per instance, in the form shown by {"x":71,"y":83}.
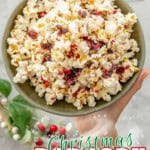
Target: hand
{"x":103,"y":123}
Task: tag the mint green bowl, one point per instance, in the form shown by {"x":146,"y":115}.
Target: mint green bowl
{"x":61,"y":107}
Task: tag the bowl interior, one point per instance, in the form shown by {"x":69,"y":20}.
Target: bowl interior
{"x":61,"y":107}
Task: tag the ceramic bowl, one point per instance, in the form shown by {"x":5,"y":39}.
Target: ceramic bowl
{"x":61,"y":107}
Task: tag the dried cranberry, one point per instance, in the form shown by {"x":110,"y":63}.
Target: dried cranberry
{"x":97,"y":13}
{"x":96,"y":45}
{"x":32,"y":34}
{"x":73,"y":47}
{"x":107,"y":73}
{"x":67,"y":71}
{"x":61,"y":30}
{"x":42,"y":13}
{"x":47,"y":57}
{"x":75,"y":94}
{"x":115,"y":11}
{"x":85,"y":38}
{"x":120,"y":70}
{"x":46,"y":46}
{"x":89,"y":42}
{"x":70,"y":54}
{"x":64,"y":30}
{"x":60,"y":73}
{"x":77,"y":56}
{"x":82,"y":13}
{"x":70,"y":81}
{"x":46,"y":84}
{"x":127,"y":67}
{"x":109,"y":51}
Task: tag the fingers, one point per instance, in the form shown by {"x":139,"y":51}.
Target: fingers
{"x":139,"y":82}
{"x":118,"y":107}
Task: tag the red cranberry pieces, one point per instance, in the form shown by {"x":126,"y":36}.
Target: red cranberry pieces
{"x":82,"y":13}
{"x":46,"y":84}
{"x":47,"y":57}
{"x":120,"y":70}
{"x":61,"y":30}
{"x":115,"y":11}
{"x":32,"y":34}
{"x":73,"y":47}
{"x":67,"y":71}
{"x":75,"y":94}
{"x":42,"y":13}
{"x":70,"y":81}
{"x":97,"y":13}
{"x":46,"y":46}
{"x":70,"y":54}
{"x":109,"y":51}
{"x":60,"y":73}
{"x":94,"y":45}
{"x":107,"y":73}
{"x":71,"y":78}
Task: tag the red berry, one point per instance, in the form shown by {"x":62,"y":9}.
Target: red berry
{"x":83,"y":14}
{"x":60,"y":73}
{"x":42,"y":13}
{"x":53,"y":128}
{"x":46,"y":46}
{"x":46,"y":84}
{"x":96,"y":45}
{"x":75,"y":94}
{"x":114,"y":12}
{"x":62,"y":131}
{"x":127,"y":67}
{"x":120,"y":70}
{"x":67,"y":71}
{"x":97,"y":13}
{"x":71,"y":54}
{"x":39,"y":142}
{"x":32,"y":34}
{"x":78,"y":56}
{"x":41,"y":127}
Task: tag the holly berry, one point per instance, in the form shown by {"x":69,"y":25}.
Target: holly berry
{"x":62,"y":131}
{"x":53,"y":128}
{"x":41,"y":127}
{"x":39,"y":142}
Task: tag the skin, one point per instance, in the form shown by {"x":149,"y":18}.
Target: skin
{"x":106,"y":124}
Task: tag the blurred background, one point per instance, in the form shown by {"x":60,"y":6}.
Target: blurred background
{"x":134,"y":119}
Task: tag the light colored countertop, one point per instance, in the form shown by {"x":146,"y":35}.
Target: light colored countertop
{"x":135,"y":118}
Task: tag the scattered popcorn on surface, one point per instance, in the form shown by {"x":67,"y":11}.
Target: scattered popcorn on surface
{"x":74,"y":50}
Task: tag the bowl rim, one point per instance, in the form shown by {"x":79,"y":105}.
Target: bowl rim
{"x":77,"y":113}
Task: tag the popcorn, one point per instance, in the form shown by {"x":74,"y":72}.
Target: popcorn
{"x":73,"y":50}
